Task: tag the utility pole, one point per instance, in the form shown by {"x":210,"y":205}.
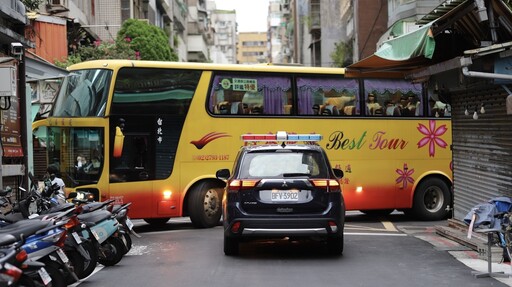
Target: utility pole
{"x":24,"y":116}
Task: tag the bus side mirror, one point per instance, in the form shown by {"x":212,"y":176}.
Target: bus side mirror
{"x":338,"y":172}
{"x":118,"y":143}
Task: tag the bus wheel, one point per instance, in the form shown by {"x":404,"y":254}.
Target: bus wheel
{"x":204,"y":204}
{"x":156,"y":221}
{"x":431,"y":200}
{"x":377,"y":212}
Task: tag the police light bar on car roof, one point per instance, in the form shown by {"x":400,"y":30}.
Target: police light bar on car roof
{"x":282,"y":137}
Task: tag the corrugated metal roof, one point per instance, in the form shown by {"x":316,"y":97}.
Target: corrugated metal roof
{"x":439,"y":11}
{"x":474,"y":23}
{"x":39,"y":70}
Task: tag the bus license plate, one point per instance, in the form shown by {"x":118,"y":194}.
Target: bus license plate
{"x":285,"y":195}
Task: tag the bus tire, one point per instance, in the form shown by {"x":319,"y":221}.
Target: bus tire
{"x":156,"y":221}
{"x":431,"y":200}
{"x":205,"y":204}
{"x":377,"y":212}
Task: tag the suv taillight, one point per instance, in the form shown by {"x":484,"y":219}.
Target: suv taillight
{"x":237,"y":184}
{"x":330,"y":185}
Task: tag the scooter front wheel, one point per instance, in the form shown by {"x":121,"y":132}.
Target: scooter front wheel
{"x":127,"y":241}
{"x":113,"y":251}
{"x":89,"y":266}
{"x":58,"y":278}
{"x":78,"y":265}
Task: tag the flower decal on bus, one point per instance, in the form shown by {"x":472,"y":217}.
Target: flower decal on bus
{"x":209,"y":137}
{"x":405,"y":176}
{"x":432,"y":137}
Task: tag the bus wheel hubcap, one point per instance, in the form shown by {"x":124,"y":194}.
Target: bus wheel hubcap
{"x":433,"y":199}
{"x":211,"y":202}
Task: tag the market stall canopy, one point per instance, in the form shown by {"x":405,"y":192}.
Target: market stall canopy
{"x":446,"y":32}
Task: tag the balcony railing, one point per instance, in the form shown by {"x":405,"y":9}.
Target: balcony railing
{"x":14,"y":10}
{"x":180,"y":11}
{"x":314,"y":15}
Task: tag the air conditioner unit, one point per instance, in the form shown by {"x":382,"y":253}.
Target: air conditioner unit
{"x":56,"y":6}
{"x":57,"y":2}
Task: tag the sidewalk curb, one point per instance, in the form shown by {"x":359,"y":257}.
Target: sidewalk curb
{"x":472,"y":252}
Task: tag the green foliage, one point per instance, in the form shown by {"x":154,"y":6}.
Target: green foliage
{"x":32,"y":5}
{"x":136,"y":40}
{"x":101,"y":50}
{"x":150,"y":41}
{"x":342,"y":54}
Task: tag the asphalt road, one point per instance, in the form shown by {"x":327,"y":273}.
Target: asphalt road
{"x":390,"y":251}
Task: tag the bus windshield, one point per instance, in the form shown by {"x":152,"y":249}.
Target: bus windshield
{"x":83,"y":93}
{"x":76,"y":152}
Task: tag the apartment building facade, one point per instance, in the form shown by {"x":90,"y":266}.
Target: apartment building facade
{"x":224,"y":27}
{"x":252,"y":48}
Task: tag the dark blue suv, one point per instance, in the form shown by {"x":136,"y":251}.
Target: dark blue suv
{"x":282,"y":189}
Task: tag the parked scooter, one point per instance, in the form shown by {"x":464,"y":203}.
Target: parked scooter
{"x":104,"y":231}
{"x":44,"y":243}
{"x":81,"y":252}
{"x":15,"y":270}
{"x":126,"y":229}
{"x":120,"y":212}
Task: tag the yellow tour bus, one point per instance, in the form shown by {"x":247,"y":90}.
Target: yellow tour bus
{"x":155,"y":133}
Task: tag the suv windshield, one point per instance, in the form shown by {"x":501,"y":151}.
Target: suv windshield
{"x":283,"y":164}
{"x":83,"y":94}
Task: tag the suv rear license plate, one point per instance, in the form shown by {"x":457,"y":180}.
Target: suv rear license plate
{"x":285,"y":195}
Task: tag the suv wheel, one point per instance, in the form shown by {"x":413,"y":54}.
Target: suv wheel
{"x":335,"y":245}
{"x":230,"y":246}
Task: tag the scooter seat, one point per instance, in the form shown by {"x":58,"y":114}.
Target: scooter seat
{"x":24,"y":227}
{"x":93,"y":218}
{"x":7,"y":239}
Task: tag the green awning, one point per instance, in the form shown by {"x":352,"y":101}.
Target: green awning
{"x":397,"y":55}
{"x":415,"y":44}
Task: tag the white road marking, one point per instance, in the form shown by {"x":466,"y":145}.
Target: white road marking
{"x":374,"y":233}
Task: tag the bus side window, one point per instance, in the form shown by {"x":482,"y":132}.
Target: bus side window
{"x":349,"y":110}
{"x":330,"y":110}
{"x":316,"y":94}
{"x":257,"y":110}
{"x":222,"y":108}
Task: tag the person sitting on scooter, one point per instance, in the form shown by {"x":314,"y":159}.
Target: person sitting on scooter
{"x":53,"y":175}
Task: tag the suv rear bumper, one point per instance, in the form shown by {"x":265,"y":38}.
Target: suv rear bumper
{"x":278,"y":227}
{"x":289,"y":231}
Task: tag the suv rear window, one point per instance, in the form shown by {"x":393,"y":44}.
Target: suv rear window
{"x":283,"y":163}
